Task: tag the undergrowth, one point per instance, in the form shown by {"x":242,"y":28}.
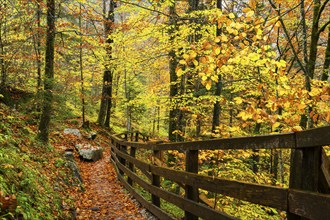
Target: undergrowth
{"x":28,"y":173}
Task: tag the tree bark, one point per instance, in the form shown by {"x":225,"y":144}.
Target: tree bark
{"x":314,"y":39}
{"x":105,"y":106}
{"x":218,"y":88}
{"x":174,"y":87}
{"x":2,"y":50}
{"x":49,"y":73}
{"x":38,"y":49}
{"x":326,"y":66}
{"x":84,"y":124}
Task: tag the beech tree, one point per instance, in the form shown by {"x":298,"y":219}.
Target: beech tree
{"x":106,"y":100}
{"x":49,"y":73}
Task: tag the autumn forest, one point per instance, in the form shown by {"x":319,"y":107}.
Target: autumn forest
{"x":172,"y":70}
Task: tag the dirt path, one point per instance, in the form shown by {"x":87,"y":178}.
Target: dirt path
{"x":104,"y":197}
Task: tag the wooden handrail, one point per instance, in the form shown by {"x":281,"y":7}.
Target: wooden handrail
{"x":291,"y":140}
{"x":296,"y":202}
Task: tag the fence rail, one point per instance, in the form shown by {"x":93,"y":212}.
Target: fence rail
{"x":309,"y":168}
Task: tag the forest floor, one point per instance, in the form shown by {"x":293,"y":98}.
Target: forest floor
{"x":36,"y":181}
{"x":103,"y":196}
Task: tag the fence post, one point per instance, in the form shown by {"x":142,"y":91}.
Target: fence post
{"x":191,"y":191}
{"x":123,"y":149}
{"x":131,"y":165}
{"x":137,"y":136}
{"x":304,"y":169}
{"x":155,"y":181}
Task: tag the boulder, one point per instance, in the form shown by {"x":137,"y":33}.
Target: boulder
{"x":73,"y":131}
{"x":92,"y":136}
{"x":89,"y":152}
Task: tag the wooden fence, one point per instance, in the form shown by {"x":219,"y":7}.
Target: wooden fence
{"x":309,"y":174}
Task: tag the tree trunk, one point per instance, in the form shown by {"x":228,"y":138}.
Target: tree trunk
{"x":255,"y":156}
{"x":218,"y":88}
{"x":84,"y":124}
{"x":314,"y":39}
{"x":174,"y":88}
{"x":326,"y":66}
{"x":2,"y":49}
{"x":105,"y":106}
{"x":38,"y":49}
{"x":49,"y":73}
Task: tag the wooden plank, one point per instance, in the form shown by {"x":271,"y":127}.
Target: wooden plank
{"x":313,"y":137}
{"x":144,"y":171}
{"x":309,"y":205}
{"x":159,"y":213}
{"x":191,"y":192}
{"x":203,"y":198}
{"x":156,"y":181}
{"x":259,"y":194}
{"x":185,"y":204}
{"x":326,"y":166}
{"x":132,"y":152}
{"x":130,"y":143}
{"x":311,"y":168}
{"x":309,"y":138}
{"x":325,"y":173}
{"x":296,"y":174}
{"x":257,"y":142}
{"x":136,"y":136}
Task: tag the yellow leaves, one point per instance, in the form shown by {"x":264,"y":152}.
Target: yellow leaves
{"x":250,"y":14}
{"x":203,"y":60}
{"x":254,"y":56}
{"x":183,"y":62}
{"x":224,"y":38}
{"x":231,"y":16}
{"x":325,"y":98}
{"x":217,"y":50}
{"x":315,"y":92}
{"x":238,"y":100}
{"x":193,"y":54}
{"x":301,"y":106}
{"x":8,"y":166}
{"x":281,"y":64}
{"x":328,"y":117}
{"x":179,"y":72}
{"x":244,"y":115}
{"x":296,"y":128}
{"x":185,"y":56}
{"x":215,"y":78}
{"x":275,"y":125}
{"x":246,"y":10}
{"x":208,"y":85}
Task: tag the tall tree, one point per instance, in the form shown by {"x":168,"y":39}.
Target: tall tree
{"x":106,"y":100}
{"x":218,"y":87}
{"x":84,"y":122}
{"x":326,"y":66}
{"x":174,"y":117}
{"x":49,"y":73}
{"x":3,"y":16}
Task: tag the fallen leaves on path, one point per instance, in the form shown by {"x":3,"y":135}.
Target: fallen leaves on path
{"x":104,"y":197}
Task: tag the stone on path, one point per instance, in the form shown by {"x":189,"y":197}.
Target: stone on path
{"x":89,"y":152}
{"x":73,"y":131}
{"x":72,"y":165}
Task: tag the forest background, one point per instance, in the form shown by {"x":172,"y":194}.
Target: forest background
{"x":180,"y":70}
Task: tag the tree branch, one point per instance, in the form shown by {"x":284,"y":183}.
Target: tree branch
{"x":287,"y":36}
